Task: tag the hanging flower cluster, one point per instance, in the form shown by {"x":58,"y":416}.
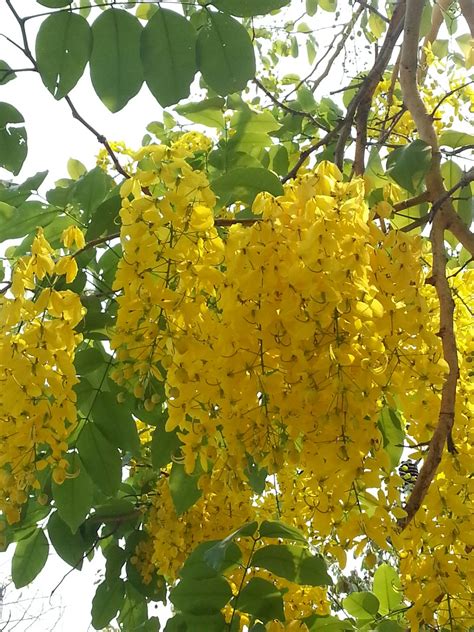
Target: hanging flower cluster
{"x":37,"y":374}
{"x":281,"y":344}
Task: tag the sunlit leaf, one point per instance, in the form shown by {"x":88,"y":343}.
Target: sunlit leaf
{"x":116,"y":68}
{"x":168,"y":54}
{"x":225,"y":54}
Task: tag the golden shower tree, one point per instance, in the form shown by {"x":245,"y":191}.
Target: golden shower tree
{"x":237,"y":361}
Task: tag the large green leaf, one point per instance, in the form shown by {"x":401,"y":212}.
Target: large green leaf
{"x":387,"y":589}
{"x":134,"y":613}
{"x":54,"y":4}
{"x":69,"y":546}
{"x":13,"y":145}
{"x":101,"y":459}
{"x":217,"y":553}
{"x":390,"y":425}
{"x":203,"y":596}
{"x":198,"y":566}
{"x":244,"y":184}
{"x":184,"y":489}
{"x":91,"y":188}
{"x":73,"y":498}
{"x":63,"y":47}
{"x":16,"y":194}
{"x":277,"y":529}
{"x":18,"y":222}
{"x":261,"y":599}
{"x":409,"y":164}
{"x":163,"y":446}
{"x":248,"y":8}
{"x":116,"y":423}
{"x":208,"y":112}
{"x":29,"y":558}
{"x":116,"y":68}
{"x":294,"y":563}
{"x":107,"y":601}
{"x":104,"y":218}
{"x":225,"y":54}
{"x":361,"y":605}
{"x":453,"y":138}
{"x":168,"y":52}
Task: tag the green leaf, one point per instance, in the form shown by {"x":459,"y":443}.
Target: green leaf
{"x":70,"y":547}
{"x":104,"y":218}
{"x":54,"y":4}
{"x":73,"y":498}
{"x":203,"y":596}
{"x":327,"y":623}
{"x":75,"y":168}
{"x":107,"y":601}
{"x":389,"y":626}
{"x":409,"y":164}
{"x":261,"y":599}
{"x":163,"y":446}
{"x":244,"y":184}
{"x":208,"y":112}
{"x":311,"y":7}
{"x":91,"y":189}
{"x":328,"y":5}
{"x":101,"y":459}
{"x":134,"y":614}
{"x":225,"y":54}
{"x":116,"y":68}
{"x":216,"y":554}
{"x":25,"y":219}
{"x":390,"y":425}
{"x":277,"y":529}
{"x":198,"y":566}
{"x":257,"y":477}
{"x":16,"y":194}
{"x":116,"y":423}
{"x":248,"y":8}
{"x":13,"y":145}
{"x":184,"y":488}
{"x":387,"y":589}
{"x":63,"y":47}
{"x":294,"y":563}
{"x":88,"y":360}
{"x":6,"y":73}
{"x":361,"y":605}
{"x":168,"y":53}
{"x":29,"y":558}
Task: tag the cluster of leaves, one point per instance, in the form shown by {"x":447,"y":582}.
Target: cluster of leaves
{"x":171,"y":449}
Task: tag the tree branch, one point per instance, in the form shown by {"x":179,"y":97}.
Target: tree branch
{"x":366,"y":91}
{"x":436,"y":191}
{"x":467,"y":9}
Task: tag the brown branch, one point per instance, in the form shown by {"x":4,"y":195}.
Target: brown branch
{"x":436,"y":190}
{"x":307,"y":152}
{"x":447,"y":95}
{"x":364,"y":94}
{"x":96,"y":242}
{"x":414,"y":201}
{"x":467,"y":9}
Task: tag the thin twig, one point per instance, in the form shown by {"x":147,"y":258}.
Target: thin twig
{"x":287,"y":108}
{"x":365,"y":92}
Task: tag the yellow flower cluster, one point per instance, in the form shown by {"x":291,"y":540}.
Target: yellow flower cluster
{"x":37,"y":376}
{"x":280,"y":343}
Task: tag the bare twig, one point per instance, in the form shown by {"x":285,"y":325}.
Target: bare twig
{"x":287,"y":108}
{"x":373,"y":10}
{"x":363,"y":96}
{"x":307,"y":152}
